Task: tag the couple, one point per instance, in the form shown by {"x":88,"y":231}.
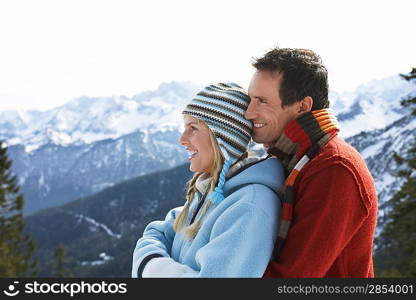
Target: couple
{"x":308,"y":209}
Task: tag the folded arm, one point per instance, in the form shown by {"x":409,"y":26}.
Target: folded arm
{"x":156,"y":241}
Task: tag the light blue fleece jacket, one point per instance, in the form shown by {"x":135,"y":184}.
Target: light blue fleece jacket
{"x":237,"y":235}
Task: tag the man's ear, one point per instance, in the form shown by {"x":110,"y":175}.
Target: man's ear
{"x":305,"y":105}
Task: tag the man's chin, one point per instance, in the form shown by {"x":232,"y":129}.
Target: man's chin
{"x":259,"y":139}
{"x":263,"y":139}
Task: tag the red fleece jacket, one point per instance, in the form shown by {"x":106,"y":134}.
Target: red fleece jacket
{"x":334,"y":218}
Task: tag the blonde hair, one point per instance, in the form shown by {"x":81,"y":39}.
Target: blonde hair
{"x":179,"y":223}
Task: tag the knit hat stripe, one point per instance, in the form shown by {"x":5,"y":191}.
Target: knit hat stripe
{"x":231,"y":97}
{"x":238,"y":140}
{"x":230,"y":86}
{"x":225,"y":105}
{"x":232,"y":143}
{"x":225,"y":112}
{"x":216,"y":121}
{"x":231,"y":131}
{"x":238,"y":96}
{"x":232,"y":151}
{"x":208,"y":115}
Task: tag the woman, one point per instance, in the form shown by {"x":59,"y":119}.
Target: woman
{"x":229,"y":223}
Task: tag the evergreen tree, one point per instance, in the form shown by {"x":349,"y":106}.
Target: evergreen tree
{"x":16,"y":247}
{"x":411,"y":101}
{"x":59,"y":265}
{"x":396,"y":255}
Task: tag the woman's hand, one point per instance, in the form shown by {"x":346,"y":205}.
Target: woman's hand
{"x":166,"y":267}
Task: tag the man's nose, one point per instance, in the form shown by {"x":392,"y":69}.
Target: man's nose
{"x":250,"y":112}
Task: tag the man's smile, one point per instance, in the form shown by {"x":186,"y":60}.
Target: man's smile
{"x":258,"y":125}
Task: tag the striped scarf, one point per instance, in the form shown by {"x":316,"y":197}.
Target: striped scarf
{"x":302,"y":139}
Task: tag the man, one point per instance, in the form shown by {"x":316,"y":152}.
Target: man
{"x":329,"y":209}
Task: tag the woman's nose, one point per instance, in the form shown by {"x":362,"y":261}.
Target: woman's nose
{"x":182,"y":139}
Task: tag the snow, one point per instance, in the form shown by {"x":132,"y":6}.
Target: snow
{"x":22,"y":179}
{"x":372,"y":118}
{"x":96,"y":225}
{"x":145,"y":136}
{"x":114,"y":203}
{"x":379,"y":103}
{"x":104,"y":258}
{"x":31,"y":147}
{"x":90,"y":119}
{"x":341,"y":102}
{"x":41,"y":180}
{"x":14,"y":141}
{"x":410,"y":126}
{"x":87,"y":120}
{"x":386,"y":180}
{"x":101,"y":186}
{"x":371,"y":150}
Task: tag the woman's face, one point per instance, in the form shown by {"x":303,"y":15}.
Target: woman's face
{"x":196,"y":139}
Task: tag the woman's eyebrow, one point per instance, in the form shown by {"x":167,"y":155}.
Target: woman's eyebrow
{"x":191,"y":122}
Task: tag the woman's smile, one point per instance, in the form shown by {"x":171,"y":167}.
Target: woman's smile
{"x":192,"y":154}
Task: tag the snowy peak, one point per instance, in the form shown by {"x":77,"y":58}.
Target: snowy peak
{"x":373,"y":105}
{"x":170,"y":92}
{"x":84,"y":120}
{"x":90,"y":119}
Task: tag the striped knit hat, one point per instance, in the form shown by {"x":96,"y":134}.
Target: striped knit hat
{"x":222,"y":106}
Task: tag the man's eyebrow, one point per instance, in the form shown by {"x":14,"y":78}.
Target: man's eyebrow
{"x":259,"y":97}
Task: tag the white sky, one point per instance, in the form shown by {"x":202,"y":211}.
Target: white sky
{"x":54,"y":51}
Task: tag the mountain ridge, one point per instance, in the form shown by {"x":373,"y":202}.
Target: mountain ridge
{"x":54,"y":170}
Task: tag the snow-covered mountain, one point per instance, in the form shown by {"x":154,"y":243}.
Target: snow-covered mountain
{"x":86,"y":120}
{"x":92,"y":143}
{"x":373,"y":105}
{"x":53,"y":174}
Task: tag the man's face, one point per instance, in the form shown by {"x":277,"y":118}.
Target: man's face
{"x":265,"y":110}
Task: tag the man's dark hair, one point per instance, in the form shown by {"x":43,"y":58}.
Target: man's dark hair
{"x":303,"y":75}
